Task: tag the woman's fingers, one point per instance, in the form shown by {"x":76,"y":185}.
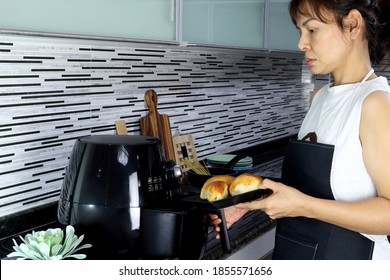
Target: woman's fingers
{"x":269,"y":184}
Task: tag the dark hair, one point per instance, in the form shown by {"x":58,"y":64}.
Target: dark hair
{"x":376,"y":14}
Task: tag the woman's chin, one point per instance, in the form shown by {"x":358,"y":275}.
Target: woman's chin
{"x":318,"y":71}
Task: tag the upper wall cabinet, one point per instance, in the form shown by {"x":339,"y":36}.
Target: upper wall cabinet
{"x":242,"y":23}
{"x":238,"y":23}
{"x":224,"y":22}
{"x":151,"y":19}
{"x":282,"y":34}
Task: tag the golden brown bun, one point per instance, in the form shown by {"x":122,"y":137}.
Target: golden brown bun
{"x":214,"y":191}
{"x":245,"y":183}
{"x":224,"y":178}
{"x":216,"y":187}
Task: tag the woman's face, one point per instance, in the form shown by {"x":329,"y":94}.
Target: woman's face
{"x":326,"y":49}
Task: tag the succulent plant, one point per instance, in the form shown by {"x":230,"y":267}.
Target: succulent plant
{"x":50,"y":245}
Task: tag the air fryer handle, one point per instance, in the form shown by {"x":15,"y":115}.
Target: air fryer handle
{"x":225,"y":240}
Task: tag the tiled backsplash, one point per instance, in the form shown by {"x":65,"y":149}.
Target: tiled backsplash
{"x":55,"y":90}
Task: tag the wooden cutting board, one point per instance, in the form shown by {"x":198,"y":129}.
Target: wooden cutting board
{"x":157,"y":125}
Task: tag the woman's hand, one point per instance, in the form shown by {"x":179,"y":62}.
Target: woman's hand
{"x":284,"y":201}
{"x":232,"y":215}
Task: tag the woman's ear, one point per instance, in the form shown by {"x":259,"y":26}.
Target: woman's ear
{"x":354,"y":24}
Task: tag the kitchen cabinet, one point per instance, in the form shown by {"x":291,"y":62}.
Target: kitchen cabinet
{"x":282,"y":34}
{"x":238,"y":23}
{"x":224,"y":22}
{"x":232,"y":23}
{"x":152,"y":19}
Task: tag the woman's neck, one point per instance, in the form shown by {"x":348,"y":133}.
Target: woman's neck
{"x":354,"y":67}
{"x":352,"y":76}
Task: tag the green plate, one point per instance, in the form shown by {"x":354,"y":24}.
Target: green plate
{"x":225,"y":158}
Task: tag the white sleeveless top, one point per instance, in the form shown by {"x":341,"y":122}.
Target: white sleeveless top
{"x":335,"y":117}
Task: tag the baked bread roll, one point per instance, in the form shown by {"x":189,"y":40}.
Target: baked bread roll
{"x":216,"y":190}
{"x":224,"y":178}
{"x":245,"y":183}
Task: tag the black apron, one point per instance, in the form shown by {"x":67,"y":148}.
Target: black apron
{"x":307,"y":167}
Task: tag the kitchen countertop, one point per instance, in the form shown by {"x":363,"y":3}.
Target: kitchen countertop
{"x":12,"y":226}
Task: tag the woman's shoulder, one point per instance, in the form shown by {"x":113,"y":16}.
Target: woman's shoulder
{"x":374,"y":92}
{"x":378,"y":84}
{"x":377,"y":89}
{"x":376,"y":107}
{"x":376,"y":98}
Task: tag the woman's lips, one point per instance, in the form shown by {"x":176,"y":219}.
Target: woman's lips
{"x":310,"y":61}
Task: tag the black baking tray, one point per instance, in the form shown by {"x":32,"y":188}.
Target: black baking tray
{"x":195,"y":200}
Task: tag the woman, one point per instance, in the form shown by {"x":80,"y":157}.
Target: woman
{"x":334,"y":199}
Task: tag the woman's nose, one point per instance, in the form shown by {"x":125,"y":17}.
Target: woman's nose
{"x":303,"y":43}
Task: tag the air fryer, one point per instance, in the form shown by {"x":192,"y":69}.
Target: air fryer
{"x":120,"y":192}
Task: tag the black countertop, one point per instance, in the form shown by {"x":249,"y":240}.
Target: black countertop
{"x":41,"y":218}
